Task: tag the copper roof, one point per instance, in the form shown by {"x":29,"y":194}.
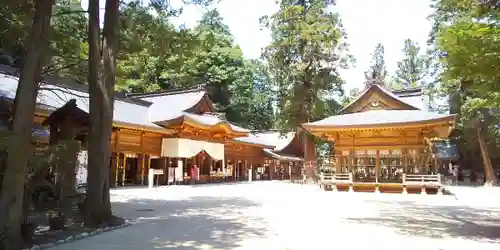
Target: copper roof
{"x":379,"y":117}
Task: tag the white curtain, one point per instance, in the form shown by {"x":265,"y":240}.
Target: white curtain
{"x":171,"y":173}
{"x":179,"y":174}
{"x":186,"y":148}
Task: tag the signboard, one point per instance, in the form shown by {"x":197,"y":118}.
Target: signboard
{"x":157,"y":171}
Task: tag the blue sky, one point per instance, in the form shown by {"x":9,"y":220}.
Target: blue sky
{"x":367,"y":23}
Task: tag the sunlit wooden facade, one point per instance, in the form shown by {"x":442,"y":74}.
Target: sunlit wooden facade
{"x":288,"y":154}
{"x":382,"y":137}
{"x":172,"y":132}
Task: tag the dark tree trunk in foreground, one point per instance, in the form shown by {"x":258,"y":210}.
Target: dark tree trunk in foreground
{"x":101,"y":89}
{"x":489,"y":174}
{"x":11,"y":195}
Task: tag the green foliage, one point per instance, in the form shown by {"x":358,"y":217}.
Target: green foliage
{"x":67,"y":51}
{"x":307,"y":49}
{"x":155,"y":55}
{"x":412,"y":69}
{"x":151,"y":51}
{"x":15,"y":21}
{"x":470,"y":54}
{"x":378,"y":68}
{"x":465,"y":39}
{"x":353,"y":94}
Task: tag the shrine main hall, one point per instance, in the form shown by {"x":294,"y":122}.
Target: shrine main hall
{"x":384,"y":140}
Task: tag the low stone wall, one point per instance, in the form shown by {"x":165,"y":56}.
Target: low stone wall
{"x":80,"y":236}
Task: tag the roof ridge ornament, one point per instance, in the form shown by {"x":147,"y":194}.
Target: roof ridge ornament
{"x":372,"y":78}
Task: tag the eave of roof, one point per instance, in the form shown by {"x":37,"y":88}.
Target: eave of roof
{"x":276,"y":139}
{"x":130,"y":113}
{"x":380,"y":118}
{"x":176,"y":91}
{"x":375,"y":87}
{"x":281,"y":156}
{"x":204,"y":122}
{"x":253,"y":140}
{"x":167,"y":106}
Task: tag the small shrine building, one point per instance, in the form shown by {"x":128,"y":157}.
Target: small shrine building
{"x":381,"y":136}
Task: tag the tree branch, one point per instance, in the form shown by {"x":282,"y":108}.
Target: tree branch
{"x":69,"y":12}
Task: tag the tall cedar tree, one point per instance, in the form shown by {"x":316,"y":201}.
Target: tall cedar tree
{"x":101,"y":82}
{"x":413,"y":68}
{"x":307,"y":49}
{"x":11,"y":194}
{"x":378,"y":69}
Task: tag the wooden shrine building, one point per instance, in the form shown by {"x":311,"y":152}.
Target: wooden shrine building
{"x":176,"y":133}
{"x":201,"y":146}
{"x":288,"y":155}
{"x":383,"y":141}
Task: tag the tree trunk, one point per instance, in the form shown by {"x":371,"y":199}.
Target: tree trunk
{"x":101,"y":92}
{"x":110,"y":51}
{"x":11,"y":195}
{"x":489,"y":173}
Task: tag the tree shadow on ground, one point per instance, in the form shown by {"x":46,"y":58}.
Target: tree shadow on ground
{"x":187,"y":224}
{"x":436,"y":221}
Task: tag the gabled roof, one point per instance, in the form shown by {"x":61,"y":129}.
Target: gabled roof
{"x":253,"y":139}
{"x":53,"y":96}
{"x":70,"y":109}
{"x":172,"y":106}
{"x":275,"y":139}
{"x":168,"y":104}
{"x":147,"y":110}
{"x":373,"y":118}
{"x":381,"y":89}
{"x":282,"y":156}
{"x":204,"y":119}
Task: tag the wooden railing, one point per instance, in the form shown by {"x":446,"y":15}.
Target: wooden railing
{"x":326,"y":177}
{"x":337,"y":178}
{"x":422,"y":180}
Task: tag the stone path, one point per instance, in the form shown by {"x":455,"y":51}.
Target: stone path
{"x":276,"y":216}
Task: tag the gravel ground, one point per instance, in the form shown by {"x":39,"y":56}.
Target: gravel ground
{"x":278,"y":216}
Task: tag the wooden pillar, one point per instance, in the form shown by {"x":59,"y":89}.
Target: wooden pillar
{"x":117,"y":169}
{"x":148,"y":167}
{"x":419,"y":161}
{"x":377,"y":166}
{"x":124,"y":169}
{"x":165,"y":170}
{"x":139,"y":169}
{"x":236,"y":167}
{"x":350,"y":160}
{"x":112,"y":164}
{"x":405,"y":160}
{"x":245,"y":168}
{"x":338,"y":162}
{"x":143,"y":161}
{"x":271,"y":169}
{"x":184,"y":165}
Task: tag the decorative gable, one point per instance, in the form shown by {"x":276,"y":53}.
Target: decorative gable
{"x":376,"y":97}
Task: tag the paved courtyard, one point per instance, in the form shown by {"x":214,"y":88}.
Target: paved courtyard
{"x":278,"y":216}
